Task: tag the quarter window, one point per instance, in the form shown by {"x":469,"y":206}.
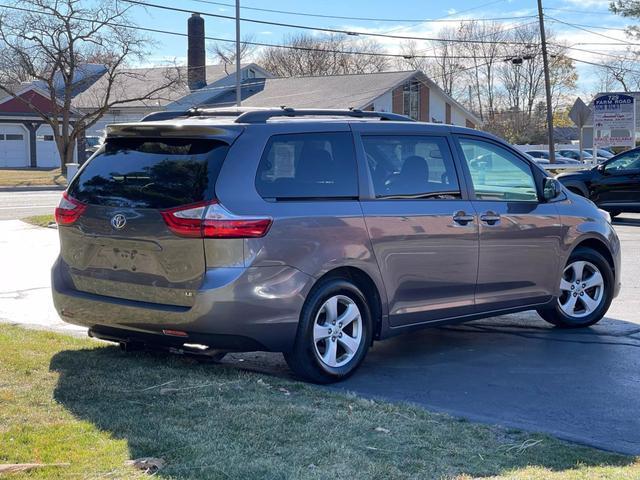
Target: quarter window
{"x":410,"y":166}
{"x":497,"y":173}
{"x":308,"y":166}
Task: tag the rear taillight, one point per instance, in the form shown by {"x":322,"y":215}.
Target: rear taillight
{"x":68,"y":210}
{"x":212,"y":220}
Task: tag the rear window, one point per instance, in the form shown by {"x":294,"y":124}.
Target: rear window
{"x":151,"y":173}
{"x":308,"y":166}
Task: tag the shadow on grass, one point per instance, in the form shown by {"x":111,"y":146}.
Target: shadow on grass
{"x":216,"y":421}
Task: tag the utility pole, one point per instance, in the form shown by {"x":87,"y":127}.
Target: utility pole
{"x":547,"y":83}
{"x":238,"y":89}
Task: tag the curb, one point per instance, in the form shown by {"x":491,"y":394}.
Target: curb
{"x":33,"y":188}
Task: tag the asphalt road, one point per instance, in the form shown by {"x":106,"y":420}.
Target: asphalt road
{"x":513,"y":370}
{"x":27,"y":203}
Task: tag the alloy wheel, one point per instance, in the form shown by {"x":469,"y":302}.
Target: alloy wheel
{"x":582,"y":289}
{"x":337,"y":331}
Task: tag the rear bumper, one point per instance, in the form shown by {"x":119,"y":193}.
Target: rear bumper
{"x":255,"y":308}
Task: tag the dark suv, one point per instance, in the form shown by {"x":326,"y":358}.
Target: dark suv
{"x":316,"y":232}
{"x":614,"y":185}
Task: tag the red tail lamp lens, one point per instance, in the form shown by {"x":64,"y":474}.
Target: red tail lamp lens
{"x":69,"y":210}
{"x":212,"y":220}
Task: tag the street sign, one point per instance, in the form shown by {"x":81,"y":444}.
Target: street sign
{"x":580,"y":113}
{"x":614,"y":121}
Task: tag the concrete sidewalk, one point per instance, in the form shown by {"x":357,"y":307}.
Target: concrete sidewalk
{"x":26,"y":256}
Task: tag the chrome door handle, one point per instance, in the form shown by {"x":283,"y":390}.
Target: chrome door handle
{"x":462,"y":218}
{"x":490,"y":218}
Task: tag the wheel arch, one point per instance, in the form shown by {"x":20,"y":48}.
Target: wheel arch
{"x":598,"y":246}
{"x":577,"y":187}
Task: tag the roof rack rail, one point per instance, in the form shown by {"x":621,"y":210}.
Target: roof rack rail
{"x":261,"y":116}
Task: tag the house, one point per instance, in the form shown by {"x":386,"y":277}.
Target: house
{"x":25,"y":141}
{"x":409,"y":93}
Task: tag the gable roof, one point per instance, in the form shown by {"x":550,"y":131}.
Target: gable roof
{"x":28,"y":94}
{"x":326,"y":91}
{"x":138,"y":82}
{"x":329,"y":91}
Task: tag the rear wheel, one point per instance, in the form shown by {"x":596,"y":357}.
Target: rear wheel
{"x":586,"y":291}
{"x":334,"y":333}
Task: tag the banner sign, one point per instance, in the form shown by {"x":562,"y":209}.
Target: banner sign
{"x":614,"y":121}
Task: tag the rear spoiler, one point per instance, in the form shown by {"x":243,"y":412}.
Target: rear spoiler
{"x":227,"y":133}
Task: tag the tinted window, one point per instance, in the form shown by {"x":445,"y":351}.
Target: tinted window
{"x":150,"y":173}
{"x":625,"y":162}
{"x":308,"y":165}
{"x":497,"y":173}
{"x":411,"y":166}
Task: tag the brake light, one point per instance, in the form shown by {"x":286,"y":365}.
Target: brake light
{"x":69,"y":210}
{"x":212,"y":220}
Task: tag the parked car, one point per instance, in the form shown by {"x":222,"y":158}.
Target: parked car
{"x":601,"y":153}
{"x":574,"y":154}
{"x":542,"y":157}
{"x":613,"y":185}
{"x":316,"y":233}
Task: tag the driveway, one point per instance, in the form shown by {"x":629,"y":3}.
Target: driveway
{"x":513,"y":370}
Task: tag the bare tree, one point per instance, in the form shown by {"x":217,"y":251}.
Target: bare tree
{"x":51,"y":43}
{"x":225,"y":52}
{"x":322,"y":56}
{"x":620,"y":73}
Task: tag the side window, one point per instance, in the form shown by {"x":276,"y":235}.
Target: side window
{"x":308,"y":166}
{"x":498,"y":174}
{"x":624,"y":163}
{"x":410,"y":166}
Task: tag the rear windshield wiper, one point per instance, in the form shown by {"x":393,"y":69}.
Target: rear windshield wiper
{"x":416,"y":196}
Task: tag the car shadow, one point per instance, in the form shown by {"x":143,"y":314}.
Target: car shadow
{"x":578,"y":386}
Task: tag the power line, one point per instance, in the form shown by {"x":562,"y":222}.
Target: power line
{"x":601,"y":66}
{"x":319,"y":29}
{"x":573,"y":25}
{"x":367,"y":19}
{"x":227,"y":40}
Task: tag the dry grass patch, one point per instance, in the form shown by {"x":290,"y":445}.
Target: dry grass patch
{"x":24,"y":177}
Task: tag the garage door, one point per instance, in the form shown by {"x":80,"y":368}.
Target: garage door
{"x":46,"y":149}
{"x":13,"y":146}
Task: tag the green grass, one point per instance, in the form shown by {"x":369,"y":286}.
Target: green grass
{"x":22,"y":177}
{"x":40,"y":220}
{"x":78,"y":401}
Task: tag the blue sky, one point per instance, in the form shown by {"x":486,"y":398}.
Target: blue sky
{"x":593,"y":13}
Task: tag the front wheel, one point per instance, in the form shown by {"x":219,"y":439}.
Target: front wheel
{"x":586,"y":291}
{"x":334,"y":333}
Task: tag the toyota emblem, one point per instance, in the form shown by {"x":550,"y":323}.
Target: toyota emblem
{"x":118,"y":221}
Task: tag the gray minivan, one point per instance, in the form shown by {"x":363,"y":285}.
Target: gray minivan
{"x":316,"y":232}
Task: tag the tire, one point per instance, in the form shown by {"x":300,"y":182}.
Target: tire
{"x":323,"y":352}
{"x":591,"y":302}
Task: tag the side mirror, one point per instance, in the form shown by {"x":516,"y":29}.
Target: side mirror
{"x":600,"y":168}
{"x":552,"y":189}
